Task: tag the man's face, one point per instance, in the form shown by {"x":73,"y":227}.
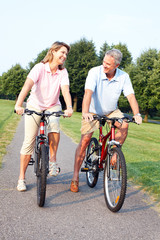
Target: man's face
{"x":109,"y":65}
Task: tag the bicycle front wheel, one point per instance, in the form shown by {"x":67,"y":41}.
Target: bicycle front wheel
{"x":115,"y":179}
{"x":41,"y":175}
{"x":92,"y":163}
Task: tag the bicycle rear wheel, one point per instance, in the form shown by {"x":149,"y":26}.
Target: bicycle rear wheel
{"x":92,"y":163}
{"x":115,"y":180}
{"x":41,"y":175}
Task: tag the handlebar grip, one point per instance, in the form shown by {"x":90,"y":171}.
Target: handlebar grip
{"x":133,"y":120}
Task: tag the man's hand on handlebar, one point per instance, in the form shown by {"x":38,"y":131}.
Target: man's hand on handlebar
{"x":138,"y":119}
{"x":87,"y":116}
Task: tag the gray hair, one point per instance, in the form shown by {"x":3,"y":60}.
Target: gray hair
{"x":116,"y":54}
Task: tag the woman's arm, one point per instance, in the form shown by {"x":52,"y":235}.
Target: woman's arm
{"x":67,"y":99}
{"x":25,"y":90}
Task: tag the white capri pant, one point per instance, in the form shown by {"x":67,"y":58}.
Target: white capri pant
{"x":32,"y":126}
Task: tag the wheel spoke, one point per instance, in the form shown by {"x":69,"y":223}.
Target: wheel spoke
{"x":115,"y":180}
{"x":92,"y":163}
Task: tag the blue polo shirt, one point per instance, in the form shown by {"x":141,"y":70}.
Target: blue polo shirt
{"x":106,"y":93}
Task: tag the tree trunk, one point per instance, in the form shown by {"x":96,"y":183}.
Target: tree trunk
{"x":146,"y":117}
{"x":75,"y":103}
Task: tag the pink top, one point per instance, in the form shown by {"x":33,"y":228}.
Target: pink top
{"x":46,"y":89}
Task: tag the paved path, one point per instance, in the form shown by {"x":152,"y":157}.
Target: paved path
{"x":68,"y":215}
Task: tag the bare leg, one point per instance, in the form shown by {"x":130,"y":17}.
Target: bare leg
{"x":24,"y":160}
{"x":122,"y":132}
{"x":80,"y":154}
{"x":53,"y":145}
{"x":120,"y":137}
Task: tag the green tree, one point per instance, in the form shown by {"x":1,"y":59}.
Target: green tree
{"x":38,"y":59}
{"x":81,"y":58}
{"x":12,"y":81}
{"x":127,"y":57}
{"x":154,"y":82}
{"x":143,"y":80}
{"x":0,"y":86}
{"x":131,"y":69}
{"x":105,"y":47}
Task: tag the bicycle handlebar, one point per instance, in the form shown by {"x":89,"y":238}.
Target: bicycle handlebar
{"x":105,"y":118}
{"x":44,"y":113}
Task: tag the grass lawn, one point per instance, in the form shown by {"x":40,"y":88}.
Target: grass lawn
{"x":8,"y":124}
{"x":141,"y":150}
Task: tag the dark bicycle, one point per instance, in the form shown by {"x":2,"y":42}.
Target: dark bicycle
{"x":40,"y":158}
{"x":99,"y":155}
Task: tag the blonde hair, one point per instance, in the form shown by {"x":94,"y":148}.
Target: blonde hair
{"x":55,"y":47}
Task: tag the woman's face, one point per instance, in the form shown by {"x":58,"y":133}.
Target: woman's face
{"x":60,"y":55}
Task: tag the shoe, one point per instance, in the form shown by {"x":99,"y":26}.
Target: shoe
{"x":54,"y":170}
{"x":21,"y":185}
{"x":74,"y":186}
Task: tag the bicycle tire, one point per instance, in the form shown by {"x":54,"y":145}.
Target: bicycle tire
{"x":92,"y":163}
{"x":41,"y":175}
{"x":115,"y":180}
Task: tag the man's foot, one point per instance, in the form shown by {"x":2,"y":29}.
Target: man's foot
{"x":54,"y":170}
{"x":21,"y":187}
{"x":74,"y":186}
{"x":113,"y":159}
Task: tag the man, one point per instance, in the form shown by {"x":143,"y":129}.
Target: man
{"x":103,"y":88}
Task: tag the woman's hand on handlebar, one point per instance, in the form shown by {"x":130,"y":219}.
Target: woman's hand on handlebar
{"x":68,"y":112}
{"x":19,"y":110}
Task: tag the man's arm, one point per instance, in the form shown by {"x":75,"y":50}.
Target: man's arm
{"x":135,"y":108}
{"x":85,"y":105}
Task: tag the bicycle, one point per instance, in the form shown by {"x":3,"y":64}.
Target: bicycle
{"x":98,"y":157}
{"x":40,"y":158}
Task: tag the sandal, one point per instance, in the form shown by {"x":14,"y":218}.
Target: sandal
{"x":74,"y":186}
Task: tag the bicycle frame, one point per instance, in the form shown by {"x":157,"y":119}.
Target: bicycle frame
{"x":103,"y":140}
{"x":41,"y":137}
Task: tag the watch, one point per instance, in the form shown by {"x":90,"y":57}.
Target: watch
{"x":138,"y":114}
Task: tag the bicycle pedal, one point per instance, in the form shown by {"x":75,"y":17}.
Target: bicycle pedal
{"x":31,"y":162}
{"x":84,"y":169}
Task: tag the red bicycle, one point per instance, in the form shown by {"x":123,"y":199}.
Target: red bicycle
{"x":99,"y":155}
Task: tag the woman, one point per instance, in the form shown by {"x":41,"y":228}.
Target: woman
{"x":45,"y":81}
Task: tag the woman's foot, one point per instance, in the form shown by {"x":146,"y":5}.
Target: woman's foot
{"x":54,"y":170}
{"x":21,"y":187}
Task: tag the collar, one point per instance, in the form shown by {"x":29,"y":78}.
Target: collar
{"x":104,"y":77}
{"x":47,"y":68}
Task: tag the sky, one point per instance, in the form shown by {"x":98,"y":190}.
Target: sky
{"x":27,"y":27}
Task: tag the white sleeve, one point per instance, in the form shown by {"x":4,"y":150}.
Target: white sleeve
{"x":127,"y":88}
{"x":91,"y":80}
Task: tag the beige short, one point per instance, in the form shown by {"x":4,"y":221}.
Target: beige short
{"x":91,"y":126}
{"x":32,"y":126}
